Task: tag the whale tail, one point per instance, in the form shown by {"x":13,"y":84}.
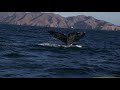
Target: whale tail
{"x":68,"y":39}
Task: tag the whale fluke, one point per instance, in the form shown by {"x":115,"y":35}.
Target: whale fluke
{"x":58,"y":35}
{"x":68,"y":39}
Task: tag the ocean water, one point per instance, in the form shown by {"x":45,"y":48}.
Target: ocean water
{"x":21,"y":56}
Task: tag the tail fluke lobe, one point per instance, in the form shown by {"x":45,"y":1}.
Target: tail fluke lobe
{"x":74,"y":37}
{"x":59,"y":36}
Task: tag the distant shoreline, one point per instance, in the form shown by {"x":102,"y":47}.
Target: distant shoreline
{"x":57,"y":21}
{"x":30,"y":26}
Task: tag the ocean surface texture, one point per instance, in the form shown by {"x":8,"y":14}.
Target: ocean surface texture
{"x":22,"y":56}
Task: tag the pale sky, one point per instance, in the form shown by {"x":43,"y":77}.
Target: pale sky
{"x":113,"y":17}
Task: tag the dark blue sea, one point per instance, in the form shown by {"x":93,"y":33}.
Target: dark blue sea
{"x":21,"y":56}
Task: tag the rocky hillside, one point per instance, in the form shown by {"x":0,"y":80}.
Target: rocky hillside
{"x":55,"y":20}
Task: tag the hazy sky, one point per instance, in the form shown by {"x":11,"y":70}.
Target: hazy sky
{"x":113,"y":17}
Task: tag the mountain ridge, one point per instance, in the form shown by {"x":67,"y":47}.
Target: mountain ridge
{"x":56,"y":20}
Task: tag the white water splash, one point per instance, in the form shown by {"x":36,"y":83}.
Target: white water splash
{"x":57,"y":45}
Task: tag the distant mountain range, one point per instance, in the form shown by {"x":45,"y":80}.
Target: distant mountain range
{"x":55,"y":20}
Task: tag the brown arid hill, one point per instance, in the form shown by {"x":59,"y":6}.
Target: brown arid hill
{"x":55,"y":20}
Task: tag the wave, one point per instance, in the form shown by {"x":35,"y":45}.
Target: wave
{"x":17,"y":55}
